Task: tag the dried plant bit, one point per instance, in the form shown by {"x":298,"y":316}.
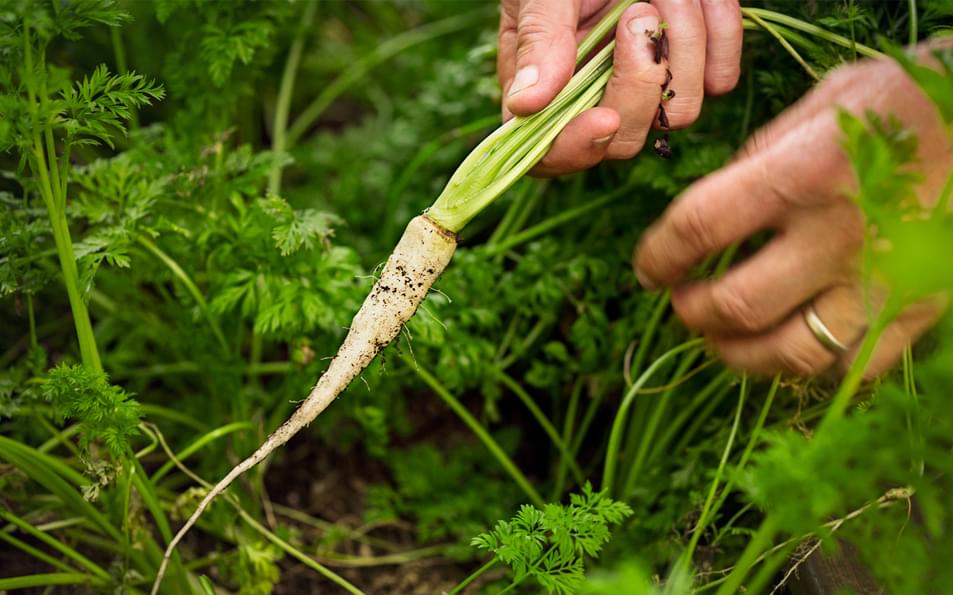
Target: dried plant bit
{"x":657,"y":34}
{"x":668,"y":94}
{"x":662,"y":148}
{"x":663,"y":118}
{"x":668,"y":77}
{"x":660,"y":40}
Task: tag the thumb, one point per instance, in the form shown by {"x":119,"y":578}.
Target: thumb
{"x":545,"y":54}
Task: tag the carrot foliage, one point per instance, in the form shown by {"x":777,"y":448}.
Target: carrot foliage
{"x":185,"y":229}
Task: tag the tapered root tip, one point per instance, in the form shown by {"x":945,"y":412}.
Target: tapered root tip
{"x":419,"y":258}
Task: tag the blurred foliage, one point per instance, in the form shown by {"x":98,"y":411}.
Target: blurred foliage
{"x":216,"y":303}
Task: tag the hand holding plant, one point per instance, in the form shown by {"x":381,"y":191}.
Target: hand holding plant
{"x":537,"y":54}
{"x":794,"y":179}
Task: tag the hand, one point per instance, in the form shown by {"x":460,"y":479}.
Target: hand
{"x":793,"y":178}
{"x":537,"y":54}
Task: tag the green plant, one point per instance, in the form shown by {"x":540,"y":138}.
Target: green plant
{"x":214,"y":295}
{"x":549,"y":545}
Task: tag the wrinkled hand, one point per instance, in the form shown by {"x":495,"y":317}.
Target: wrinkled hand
{"x":537,"y":53}
{"x":792,"y":179}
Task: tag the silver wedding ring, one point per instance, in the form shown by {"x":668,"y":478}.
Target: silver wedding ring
{"x":820,"y":331}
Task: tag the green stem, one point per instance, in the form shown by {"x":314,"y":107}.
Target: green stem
{"x":759,"y":542}
{"x":568,"y":425}
{"x":769,"y":569}
{"x":381,"y":53}
{"x":855,"y":374}
{"x":548,"y":225}
{"x":687,"y":436}
{"x":45,"y":580}
{"x":60,"y":436}
{"x":397,"y":558}
{"x":543,"y":422}
{"x":704,"y":396}
{"x":84,"y":328}
{"x":943,"y":203}
{"x":602,"y":28}
{"x":519,"y":350}
{"x":190,"y":286}
{"x":648,"y":333}
{"x":35,"y":552}
{"x":914,"y":33}
{"x":62,"y":548}
{"x":279,"y":140}
{"x":299,"y":555}
{"x":119,"y":50}
{"x":31,"y":319}
{"x":785,"y":44}
{"x":798,"y":24}
{"x":588,"y":417}
{"x":517,"y":206}
{"x":514,"y":148}
{"x":200,"y":443}
{"x":640,"y":440}
{"x":618,"y":425}
{"x":56,"y":182}
{"x":707,"y":510}
{"x":479,"y":430}
{"x":752,"y":440}
{"x":466,"y":582}
{"x":635,"y":366}
{"x":913,"y":419}
{"x":55,"y":200}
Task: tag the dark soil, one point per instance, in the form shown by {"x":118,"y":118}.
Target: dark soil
{"x":335,"y":492}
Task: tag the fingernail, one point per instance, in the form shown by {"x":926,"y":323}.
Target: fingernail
{"x":602,"y":142}
{"x":524,"y":79}
{"x":640,"y":25}
{"x":644,"y":281}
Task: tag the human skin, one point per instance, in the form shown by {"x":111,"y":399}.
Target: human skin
{"x":793,"y":179}
{"x":537,"y":52}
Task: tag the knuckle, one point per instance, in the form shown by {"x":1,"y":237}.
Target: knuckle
{"x":645,"y":259}
{"x":538,"y":32}
{"x":692,"y":228}
{"x":625,"y":149}
{"x":722,"y":79}
{"x":758,"y":142}
{"x":800,"y":360}
{"x":645,"y":75}
{"x":734,"y":306}
{"x":776,"y":192}
{"x":840,"y":77}
{"x":684,"y":112}
{"x":549,"y":167}
{"x":852,"y":229}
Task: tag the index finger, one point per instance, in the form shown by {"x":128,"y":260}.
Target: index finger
{"x":755,"y":193}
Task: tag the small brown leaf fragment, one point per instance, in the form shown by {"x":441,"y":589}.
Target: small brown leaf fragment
{"x":662,"y":48}
{"x":662,"y":148}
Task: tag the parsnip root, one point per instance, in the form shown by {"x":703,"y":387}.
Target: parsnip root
{"x":419,"y":258}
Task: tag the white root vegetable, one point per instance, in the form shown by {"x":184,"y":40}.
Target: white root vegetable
{"x":421,"y":255}
{"x":429,"y":242}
